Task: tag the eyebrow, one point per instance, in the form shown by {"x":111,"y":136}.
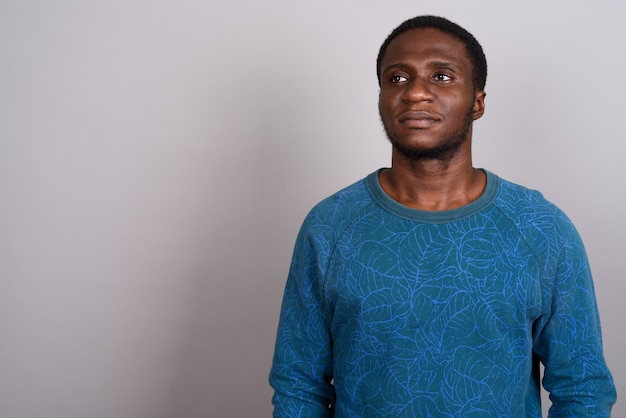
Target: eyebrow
{"x":446,"y":64}
{"x":433,"y":63}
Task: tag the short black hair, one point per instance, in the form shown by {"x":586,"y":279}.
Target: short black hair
{"x":474,"y":50}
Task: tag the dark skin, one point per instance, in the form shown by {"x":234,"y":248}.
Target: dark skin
{"x":427,"y":104}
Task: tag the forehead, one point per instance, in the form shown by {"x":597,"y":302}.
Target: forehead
{"x":427,"y":44}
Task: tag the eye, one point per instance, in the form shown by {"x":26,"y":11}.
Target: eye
{"x":397,"y":79}
{"x":442,"y":77}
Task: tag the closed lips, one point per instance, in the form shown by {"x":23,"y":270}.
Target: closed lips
{"x":418,"y":120}
{"x":417,"y":115}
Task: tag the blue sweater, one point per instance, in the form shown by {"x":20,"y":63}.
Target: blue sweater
{"x":394,"y":312}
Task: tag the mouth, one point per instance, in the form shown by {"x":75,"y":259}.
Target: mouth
{"x":418,"y":119}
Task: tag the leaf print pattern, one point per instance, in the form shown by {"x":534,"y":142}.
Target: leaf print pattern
{"x":393,"y":312}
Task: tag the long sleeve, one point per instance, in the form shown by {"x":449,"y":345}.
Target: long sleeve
{"x":394,"y":312}
{"x":302,"y":369}
{"x":569,"y":340}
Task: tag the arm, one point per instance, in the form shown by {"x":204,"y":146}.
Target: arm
{"x":302,"y":369}
{"x":569,"y":341}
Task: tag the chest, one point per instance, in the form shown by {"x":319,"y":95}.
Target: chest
{"x":390,"y":276}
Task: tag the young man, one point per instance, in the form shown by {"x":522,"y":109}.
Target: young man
{"x":432,"y":288}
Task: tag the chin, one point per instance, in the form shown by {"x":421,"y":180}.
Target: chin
{"x":443,"y":151}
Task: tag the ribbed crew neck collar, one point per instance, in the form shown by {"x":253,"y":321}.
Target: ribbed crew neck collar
{"x":434,"y":217}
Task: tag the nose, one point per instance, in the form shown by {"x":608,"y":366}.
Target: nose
{"x":418,"y":90}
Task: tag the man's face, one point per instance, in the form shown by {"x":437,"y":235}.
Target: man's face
{"x":427,"y":100}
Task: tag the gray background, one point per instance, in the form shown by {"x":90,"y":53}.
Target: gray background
{"x":157,"y":158}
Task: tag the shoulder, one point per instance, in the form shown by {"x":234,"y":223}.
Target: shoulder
{"x":535,"y":217}
{"x":327,"y":221}
{"x":338,"y":210}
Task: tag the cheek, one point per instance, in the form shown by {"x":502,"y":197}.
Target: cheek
{"x":383,"y":106}
{"x":457,"y":106}
{"x":386,"y":103}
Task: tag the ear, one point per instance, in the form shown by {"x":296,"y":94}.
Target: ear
{"x":479,"y":105}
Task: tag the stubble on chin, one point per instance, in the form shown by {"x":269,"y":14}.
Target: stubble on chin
{"x":445,"y":150}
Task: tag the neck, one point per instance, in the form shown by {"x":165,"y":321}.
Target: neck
{"x":431,"y":184}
